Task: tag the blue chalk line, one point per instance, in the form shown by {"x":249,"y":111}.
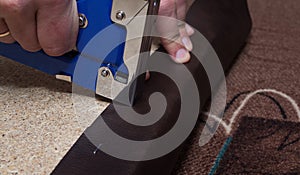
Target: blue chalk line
{"x":220,"y":156}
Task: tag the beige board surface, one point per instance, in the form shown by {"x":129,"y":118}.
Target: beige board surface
{"x":38,"y":123}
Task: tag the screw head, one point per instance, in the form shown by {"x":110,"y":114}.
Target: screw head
{"x":120,"y":15}
{"x":105,"y":73}
{"x":82,"y":21}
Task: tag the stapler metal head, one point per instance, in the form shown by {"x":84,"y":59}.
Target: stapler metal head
{"x":93,"y":65}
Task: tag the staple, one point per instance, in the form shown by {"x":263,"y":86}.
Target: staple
{"x":98,"y":147}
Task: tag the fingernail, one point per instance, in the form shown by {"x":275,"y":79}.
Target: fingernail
{"x":187,"y":43}
{"x":189,"y":29}
{"x":182,"y":56}
{"x":147,"y":77}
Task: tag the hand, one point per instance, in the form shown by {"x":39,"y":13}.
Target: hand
{"x":176,"y":36}
{"x":51,"y":25}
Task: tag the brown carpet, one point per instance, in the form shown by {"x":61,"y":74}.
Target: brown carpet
{"x":275,"y":150}
{"x":268,"y":142}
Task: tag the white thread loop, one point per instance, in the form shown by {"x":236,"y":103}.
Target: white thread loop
{"x":228,"y":127}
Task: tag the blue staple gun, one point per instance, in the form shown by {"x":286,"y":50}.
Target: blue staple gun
{"x":101,"y":57}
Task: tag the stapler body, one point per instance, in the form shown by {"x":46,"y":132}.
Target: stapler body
{"x":91,"y":65}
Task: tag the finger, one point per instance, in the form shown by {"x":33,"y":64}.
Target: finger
{"x":185,"y":38}
{"x":178,"y":45}
{"x":3,"y":28}
{"x":181,"y":9}
{"x":190,"y":31}
{"x":22,"y":25}
{"x":176,"y":49}
{"x":57,"y":31}
{"x":147,"y":77}
{"x":171,"y":36}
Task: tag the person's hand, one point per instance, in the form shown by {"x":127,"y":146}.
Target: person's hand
{"x":51,"y":25}
{"x":176,"y":35}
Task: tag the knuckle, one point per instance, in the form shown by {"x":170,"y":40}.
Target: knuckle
{"x":13,"y":6}
{"x":7,"y":40}
{"x":56,"y":51}
{"x":171,"y":45}
{"x":54,"y":3}
{"x":57,"y":44}
{"x":166,"y":8}
{"x":32,"y":48}
{"x":165,"y":4}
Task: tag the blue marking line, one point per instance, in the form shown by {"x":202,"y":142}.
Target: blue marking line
{"x":220,"y":156}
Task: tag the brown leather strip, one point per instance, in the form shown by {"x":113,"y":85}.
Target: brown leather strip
{"x":226,"y":25}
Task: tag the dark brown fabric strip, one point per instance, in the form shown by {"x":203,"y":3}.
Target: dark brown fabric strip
{"x":226,"y":25}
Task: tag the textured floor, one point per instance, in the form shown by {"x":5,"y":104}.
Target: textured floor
{"x":38,"y":123}
{"x":270,"y":60}
{"x":276,"y":149}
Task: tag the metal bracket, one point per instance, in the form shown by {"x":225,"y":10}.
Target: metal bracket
{"x":126,"y":13}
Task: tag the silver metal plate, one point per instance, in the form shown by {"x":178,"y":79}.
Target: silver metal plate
{"x":130,"y":8}
{"x":134,"y":21}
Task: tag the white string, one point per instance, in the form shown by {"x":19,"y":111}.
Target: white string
{"x":228,"y":127}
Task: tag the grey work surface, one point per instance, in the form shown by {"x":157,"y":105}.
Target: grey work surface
{"x":38,"y":123}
